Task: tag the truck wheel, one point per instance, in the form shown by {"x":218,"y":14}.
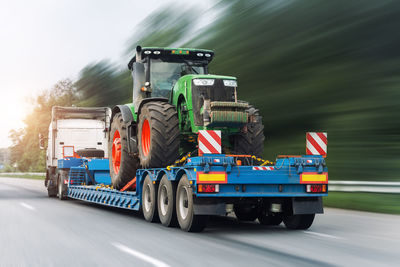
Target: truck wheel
{"x":149,"y":200}
{"x":252,"y":141}
{"x":301,"y":221}
{"x":158,"y":135}
{"x":166,"y":202}
{"x":122,"y":165}
{"x":52,"y":191}
{"x":245,"y":212}
{"x":185,"y":210}
{"x":90,"y":153}
{"x":62,"y":188}
{"x":270,"y":219}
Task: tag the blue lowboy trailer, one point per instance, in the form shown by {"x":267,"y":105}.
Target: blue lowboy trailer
{"x":290,"y":190}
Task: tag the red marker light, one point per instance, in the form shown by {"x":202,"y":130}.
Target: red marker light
{"x":208,"y":188}
{"x":316,"y":188}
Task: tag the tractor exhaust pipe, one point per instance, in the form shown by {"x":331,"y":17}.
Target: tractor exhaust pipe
{"x":138,"y":54}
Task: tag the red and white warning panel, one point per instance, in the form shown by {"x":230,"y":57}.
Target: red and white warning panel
{"x":317,"y":143}
{"x":263,"y":168}
{"x":209,"y":142}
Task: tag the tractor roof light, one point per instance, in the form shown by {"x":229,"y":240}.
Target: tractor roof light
{"x":203,"y":82}
{"x":208,"y":55}
{"x":147,"y":52}
{"x":156,"y":52}
{"x":230,"y":83}
{"x":200,"y":54}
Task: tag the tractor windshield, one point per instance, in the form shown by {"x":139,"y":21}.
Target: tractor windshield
{"x":164,"y":74}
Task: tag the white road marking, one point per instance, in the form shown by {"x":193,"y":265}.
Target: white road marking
{"x":322,"y":235}
{"x":140,"y":255}
{"x":27,"y":206}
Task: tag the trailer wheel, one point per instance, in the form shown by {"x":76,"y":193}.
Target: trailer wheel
{"x":158,"y":135}
{"x":246,"y":212}
{"x":122,"y":165}
{"x":62,"y":188}
{"x":149,"y":200}
{"x":52,"y":191}
{"x":166,"y":202}
{"x":301,"y":221}
{"x":270,"y":219}
{"x":187,"y":220}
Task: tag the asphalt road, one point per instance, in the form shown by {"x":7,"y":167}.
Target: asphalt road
{"x":38,"y":231}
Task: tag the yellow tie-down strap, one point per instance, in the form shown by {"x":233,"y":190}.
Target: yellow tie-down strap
{"x":314,"y":178}
{"x":212,"y":178}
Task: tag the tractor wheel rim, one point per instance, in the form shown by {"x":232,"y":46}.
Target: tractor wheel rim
{"x":147,"y":198}
{"x":146,"y":138}
{"x":164,"y":200}
{"x":116,"y":152}
{"x":183,"y":203}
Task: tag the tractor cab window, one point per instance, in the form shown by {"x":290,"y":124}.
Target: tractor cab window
{"x":164,"y":75}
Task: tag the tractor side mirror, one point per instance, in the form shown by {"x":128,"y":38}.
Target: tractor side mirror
{"x":41,"y":141}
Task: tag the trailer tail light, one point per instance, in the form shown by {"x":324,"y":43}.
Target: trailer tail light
{"x":316,"y":188}
{"x":208,"y":188}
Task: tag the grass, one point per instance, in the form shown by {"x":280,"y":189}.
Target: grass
{"x":26,"y":176}
{"x":373,"y":202}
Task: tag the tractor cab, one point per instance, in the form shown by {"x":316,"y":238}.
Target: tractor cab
{"x":155,"y":70}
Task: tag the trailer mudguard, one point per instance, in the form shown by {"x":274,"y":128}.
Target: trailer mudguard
{"x":307,"y":205}
{"x":128,"y":116}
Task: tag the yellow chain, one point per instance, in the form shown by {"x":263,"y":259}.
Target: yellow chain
{"x":264,"y":162}
{"x":179,"y":161}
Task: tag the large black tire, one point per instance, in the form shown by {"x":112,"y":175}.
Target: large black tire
{"x":52,"y":191}
{"x":62,"y":188}
{"x":166,"y":202}
{"x":90,"y":153}
{"x":149,"y":200}
{"x":51,"y":183}
{"x":187,"y":220}
{"x":302,"y":221}
{"x":122,"y":168}
{"x":158,"y":135}
{"x":270,"y":219}
{"x":246,"y":212}
{"x":250,"y":142}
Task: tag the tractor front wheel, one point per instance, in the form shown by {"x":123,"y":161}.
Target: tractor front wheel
{"x":122,"y":165}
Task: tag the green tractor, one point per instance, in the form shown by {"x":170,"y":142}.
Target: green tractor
{"x":174,"y":97}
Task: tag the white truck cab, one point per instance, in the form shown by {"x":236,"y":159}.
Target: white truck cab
{"x":75,"y":132}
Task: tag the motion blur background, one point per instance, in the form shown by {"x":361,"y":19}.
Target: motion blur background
{"x":307,"y":65}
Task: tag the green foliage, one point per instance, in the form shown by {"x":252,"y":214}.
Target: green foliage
{"x":101,"y":84}
{"x":373,"y":202}
{"x":25,"y":150}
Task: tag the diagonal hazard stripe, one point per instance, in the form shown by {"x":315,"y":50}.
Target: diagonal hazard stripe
{"x":314,"y":147}
{"x":215,"y":135}
{"x":206,"y":142}
{"x":311,"y":149}
{"x":215,"y":145}
{"x":320,"y":142}
{"x":323,"y":137}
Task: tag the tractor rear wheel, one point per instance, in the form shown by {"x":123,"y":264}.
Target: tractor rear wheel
{"x":250,"y":142}
{"x":122,"y":165}
{"x":158,"y":135}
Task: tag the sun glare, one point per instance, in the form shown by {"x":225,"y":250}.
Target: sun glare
{"x":14,"y":107}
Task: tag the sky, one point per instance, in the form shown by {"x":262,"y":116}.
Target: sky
{"x":43,"y":41}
